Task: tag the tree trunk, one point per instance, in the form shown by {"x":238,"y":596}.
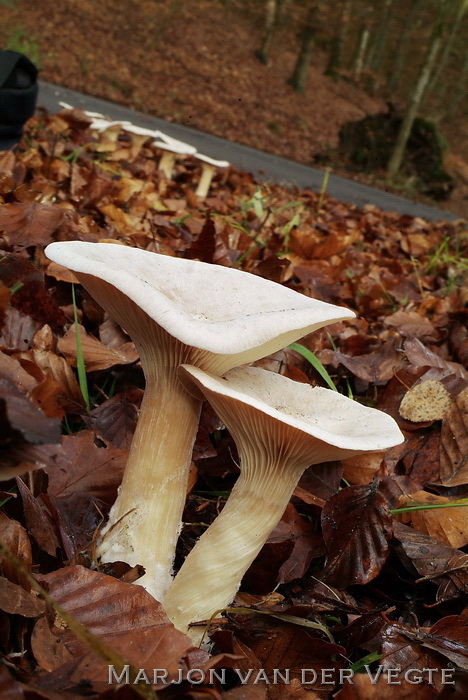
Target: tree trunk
{"x":445,"y":54}
{"x":403,"y":42}
{"x":358,"y":61}
{"x":274,"y":14}
{"x":379,"y":44}
{"x":299,"y":74}
{"x":335,"y":60}
{"x":447,"y":107}
{"x":407,"y":123}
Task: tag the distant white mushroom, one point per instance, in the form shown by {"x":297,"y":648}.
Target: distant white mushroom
{"x":172,"y":148}
{"x":280,"y":428}
{"x":209,"y":166}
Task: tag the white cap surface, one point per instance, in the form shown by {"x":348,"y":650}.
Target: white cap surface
{"x":321,"y":413}
{"x":214,"y":308}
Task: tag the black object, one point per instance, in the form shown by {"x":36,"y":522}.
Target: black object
{"x":18,"y":95}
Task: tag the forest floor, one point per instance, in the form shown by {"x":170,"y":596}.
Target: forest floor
{"x":195,"y":65}
{"x":367,"y":569}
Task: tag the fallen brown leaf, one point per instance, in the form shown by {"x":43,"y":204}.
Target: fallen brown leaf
{"x":30,"y":223}
{"x":14,"y":600}
{"x":96,"y":355}
{"x":454,"y":443}
{"x":449,"y":525}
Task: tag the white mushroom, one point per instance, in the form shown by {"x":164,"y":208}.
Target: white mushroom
{"x":172,"y":149}
{"x":280,"y":428}
{"x":209,"y":166}
{"x":178,"y":311}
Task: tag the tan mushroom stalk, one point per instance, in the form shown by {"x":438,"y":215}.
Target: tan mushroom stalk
{"x":177,"y":311}
{"x":280,"y":428}
{"x":209,"y":166}
{"x":171,"y":149}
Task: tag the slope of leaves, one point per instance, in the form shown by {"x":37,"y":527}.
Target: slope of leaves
{"x":343,"y":559}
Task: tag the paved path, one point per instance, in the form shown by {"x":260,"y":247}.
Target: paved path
{"x":265,"y":166}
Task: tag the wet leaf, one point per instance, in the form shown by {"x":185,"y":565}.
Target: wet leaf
{"x":356,"y":527}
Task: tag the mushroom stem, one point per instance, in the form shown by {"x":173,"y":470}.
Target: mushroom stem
{"x":167,"y":163}
{"x":144,"y":521}
{"x":206,"y":176}
{"x":212,"y":572}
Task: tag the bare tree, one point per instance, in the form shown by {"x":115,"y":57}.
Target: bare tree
{"x":273,"y":16}
{"x":299,"y":74}
{"x":380,"y":37}
{"x":411,"y":21}
{"x":335,"y":60}
{"x":421,"y":84}
{"x":448,"y":44}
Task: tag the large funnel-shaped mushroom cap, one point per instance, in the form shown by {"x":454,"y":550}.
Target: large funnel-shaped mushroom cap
{"x":219,"y":310}
{"x":332,"y":418}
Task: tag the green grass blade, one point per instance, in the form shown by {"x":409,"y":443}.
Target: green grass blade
{"x":430,"y":506}
{"x":315,"y":362}
{"x":80,"y":363}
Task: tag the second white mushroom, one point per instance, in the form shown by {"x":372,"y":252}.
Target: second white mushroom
{"x":280,"y":428}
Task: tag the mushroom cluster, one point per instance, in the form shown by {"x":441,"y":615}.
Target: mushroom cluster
{"x":178,"y":312}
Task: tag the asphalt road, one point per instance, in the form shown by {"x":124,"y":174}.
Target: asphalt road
{"x":264,"y":166}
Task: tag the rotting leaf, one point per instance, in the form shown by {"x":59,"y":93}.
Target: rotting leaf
{"x":20,"y":413}
{"x":38,"y":520}
{"x":366,"y":688}
{"x":454,"y":443}
{"x":356,"y":527}
{"x":426,"y":401}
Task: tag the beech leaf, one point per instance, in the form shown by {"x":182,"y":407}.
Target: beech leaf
{"x":356,"y":527}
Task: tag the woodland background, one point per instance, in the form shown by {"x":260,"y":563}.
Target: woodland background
{"x":197,"y":62}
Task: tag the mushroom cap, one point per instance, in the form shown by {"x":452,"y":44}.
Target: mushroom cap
{"x":217,"y":309}
{"x":321,"y":413}
{"x":167,"y":144}
{"x":212,"y":161}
